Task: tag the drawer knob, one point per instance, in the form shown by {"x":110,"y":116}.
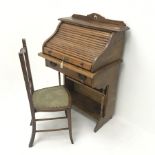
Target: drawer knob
{"x":81,"y":64}
{"x":52,"y":64}
{"x":82,"y":77}
{"x":49,"y":52}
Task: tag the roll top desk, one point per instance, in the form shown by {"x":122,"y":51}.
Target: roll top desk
{"x":88,"y":51}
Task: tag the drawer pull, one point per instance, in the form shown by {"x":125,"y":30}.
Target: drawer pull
{"x":81,"y":64}
{"x":49,"y":52}
{"x":82,"y":77}
{"x":53,"y":64}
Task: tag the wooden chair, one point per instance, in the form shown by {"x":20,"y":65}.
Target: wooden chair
{"x":49,"y":99}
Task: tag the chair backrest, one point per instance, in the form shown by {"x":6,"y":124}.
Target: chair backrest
{"x":25,"y":65}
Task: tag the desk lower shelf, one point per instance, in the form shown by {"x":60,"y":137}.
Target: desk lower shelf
{"x":85,"y":105}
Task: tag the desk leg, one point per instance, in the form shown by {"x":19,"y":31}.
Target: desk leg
{"x":101,"y":122}
{"x":103,"y":114}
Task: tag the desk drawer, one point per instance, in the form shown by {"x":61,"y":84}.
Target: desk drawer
{"x":77,"y":76}
{"x":67,"y":58}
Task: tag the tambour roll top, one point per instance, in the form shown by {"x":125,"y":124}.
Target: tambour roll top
{"x":88,"y":42}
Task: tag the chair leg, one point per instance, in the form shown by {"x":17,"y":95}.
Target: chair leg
{"x":33,"y":133}
{"x":68,"y":111}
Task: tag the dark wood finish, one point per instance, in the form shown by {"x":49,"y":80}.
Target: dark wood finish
{"x":89,"y":47}
{"x":73,"y":74}
{"x":88,"y":50}
{"x":96,"y":21}
{"x":53,"y":62}
{"x":59,"y":76}
{"x":69,"y":124}
{"x":45,"y":119}
{"x":49,"y":130}
{"x":23,"y":55}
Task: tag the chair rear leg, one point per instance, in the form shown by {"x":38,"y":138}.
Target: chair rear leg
{"x":68,"y":111}
{"x":33,"y":133}
{"x":31,"y":119}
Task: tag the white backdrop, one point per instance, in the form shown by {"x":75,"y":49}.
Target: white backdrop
{"x":35,"y":21}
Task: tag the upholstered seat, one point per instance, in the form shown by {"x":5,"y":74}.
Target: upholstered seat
{"x":49,"y":98}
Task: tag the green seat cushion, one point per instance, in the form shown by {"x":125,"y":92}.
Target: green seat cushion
{"x":48,"y":98}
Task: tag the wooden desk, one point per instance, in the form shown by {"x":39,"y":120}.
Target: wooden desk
{"x":88,"y":51}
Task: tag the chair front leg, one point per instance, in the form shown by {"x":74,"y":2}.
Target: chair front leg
{"x":69,"y":124}
{"x":33,"y":132}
